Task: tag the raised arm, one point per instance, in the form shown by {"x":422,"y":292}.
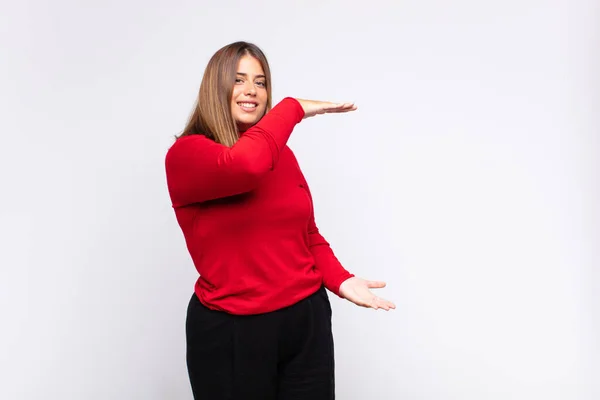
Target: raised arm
{"x":199,"y":169}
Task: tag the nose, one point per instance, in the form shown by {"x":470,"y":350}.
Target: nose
{"x":250,"y":89}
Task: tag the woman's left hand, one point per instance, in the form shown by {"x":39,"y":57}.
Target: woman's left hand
{"x":357,"y":291}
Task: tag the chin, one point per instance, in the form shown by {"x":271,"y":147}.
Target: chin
{"x":246,"y":124}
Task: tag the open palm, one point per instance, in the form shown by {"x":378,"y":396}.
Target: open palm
{"x":357,"y":290}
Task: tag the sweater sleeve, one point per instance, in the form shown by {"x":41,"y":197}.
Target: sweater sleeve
{"x":199,"y":169}
{"x":325,"y":260}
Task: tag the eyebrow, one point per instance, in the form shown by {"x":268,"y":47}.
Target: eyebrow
{"x":257,"y":76}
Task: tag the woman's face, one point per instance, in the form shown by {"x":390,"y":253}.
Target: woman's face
{"x":249,"y":99}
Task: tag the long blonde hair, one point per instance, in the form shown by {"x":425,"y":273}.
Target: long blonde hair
{"x":212,"y":112}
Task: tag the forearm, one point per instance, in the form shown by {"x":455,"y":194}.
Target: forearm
{"x":327,"y":263}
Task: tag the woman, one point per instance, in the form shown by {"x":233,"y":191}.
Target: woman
{"x":259,"y":322}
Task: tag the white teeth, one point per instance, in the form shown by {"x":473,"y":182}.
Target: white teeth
{"x":247,"y":105}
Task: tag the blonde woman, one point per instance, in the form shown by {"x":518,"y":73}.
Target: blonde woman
{"x":259,"y":321}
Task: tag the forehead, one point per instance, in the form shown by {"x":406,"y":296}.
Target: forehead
{"x":250,"y":65}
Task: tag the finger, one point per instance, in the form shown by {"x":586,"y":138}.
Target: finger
{"x":339,"y":106}
{"x":374,"y":303}
{"x":358,"y":299}
{"x":377,"y":303}
{"x":376,"y":284}
{"x":387,"y":305}
{"x":383,"y":303}
{"x":348,"y":107}
{"x":340,"y":111}
{"x":343,"y":104}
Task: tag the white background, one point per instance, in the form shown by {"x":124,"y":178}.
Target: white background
{"x":467,"y":180}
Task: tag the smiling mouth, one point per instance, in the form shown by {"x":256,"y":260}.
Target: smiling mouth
{"x":248,"y":106}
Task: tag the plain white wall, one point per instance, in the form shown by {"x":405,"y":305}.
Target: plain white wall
{"x":467,"y":180}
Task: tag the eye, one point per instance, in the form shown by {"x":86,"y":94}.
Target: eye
{"x":261,"y":84}
{"x":238,"y":80}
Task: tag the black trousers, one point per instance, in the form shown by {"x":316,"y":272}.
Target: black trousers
{"x":283,"y":355}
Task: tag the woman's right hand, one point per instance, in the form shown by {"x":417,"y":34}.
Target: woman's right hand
{"x":314,"y":107}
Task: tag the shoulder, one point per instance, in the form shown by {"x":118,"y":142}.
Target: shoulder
{"x":190,"y":144}
{"x":190,"y":140}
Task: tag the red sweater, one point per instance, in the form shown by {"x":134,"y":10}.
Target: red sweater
{"x":247,"y":217}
